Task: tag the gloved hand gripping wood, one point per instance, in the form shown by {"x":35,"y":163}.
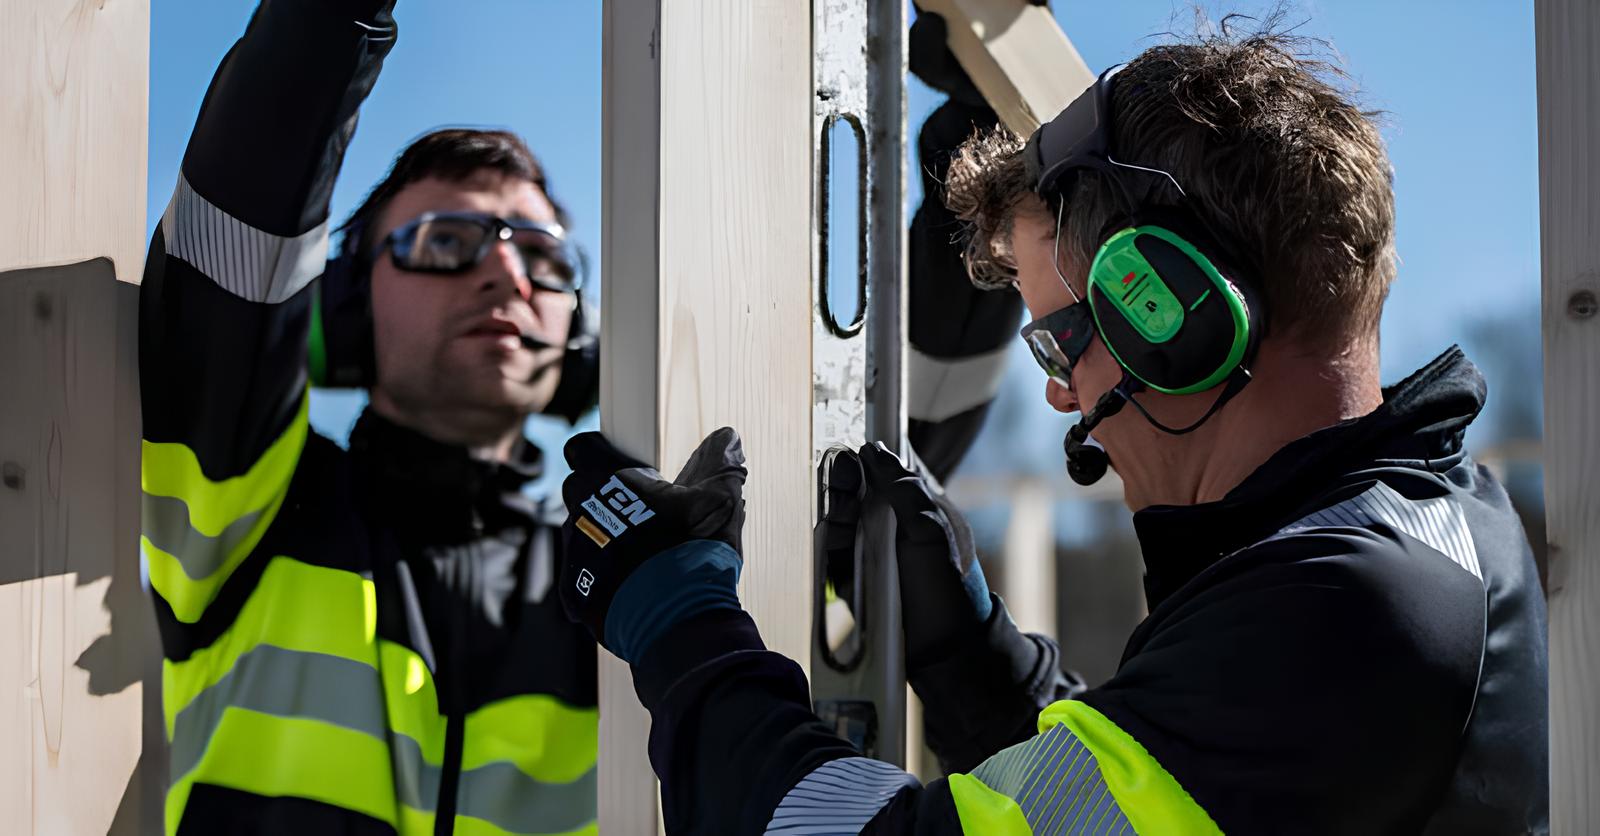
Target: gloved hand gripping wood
{"x":944,"y":598}
{"x":643,"y":553}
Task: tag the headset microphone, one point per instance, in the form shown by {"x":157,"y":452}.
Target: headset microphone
{"x":1087,"y":463}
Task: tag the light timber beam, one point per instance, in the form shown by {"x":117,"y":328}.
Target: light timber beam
{"x":1567,"y":37}
{"x":706,"y":298}
{"x":77,"y":692}
{"x":1017,"y":56}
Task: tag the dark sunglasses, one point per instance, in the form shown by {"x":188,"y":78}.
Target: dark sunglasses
{"x":455,"y":242}
{"x":1058,"y":339}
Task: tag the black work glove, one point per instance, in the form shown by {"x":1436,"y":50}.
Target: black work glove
{"x":943,"y":596}
{"x":642,"y":553}
{"x":931,"y":60}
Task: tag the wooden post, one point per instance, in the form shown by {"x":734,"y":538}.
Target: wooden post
{"x":706,"y":297}
{"x":1567,"y":36}
{"x":1017,"y":56}
{"x":79,"y":636}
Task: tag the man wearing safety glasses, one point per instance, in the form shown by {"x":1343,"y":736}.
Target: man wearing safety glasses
{"x":361,"y":641}
{"x":1346,"y":628}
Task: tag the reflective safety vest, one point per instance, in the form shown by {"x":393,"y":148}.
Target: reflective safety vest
{"x":299,"y":697}
{"x":1082,"y":774}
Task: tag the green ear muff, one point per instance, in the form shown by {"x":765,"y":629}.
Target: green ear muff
{"x":1166,"y":312}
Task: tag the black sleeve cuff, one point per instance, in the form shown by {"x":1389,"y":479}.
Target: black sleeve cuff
{"x":686,"y":646}
{"x":731,"y":728}
{"x":987,"y":693}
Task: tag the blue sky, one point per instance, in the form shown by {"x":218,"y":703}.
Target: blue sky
{"x":1455,"y":78}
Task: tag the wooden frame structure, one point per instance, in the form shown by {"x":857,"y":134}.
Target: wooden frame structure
{"x":708,"y":201}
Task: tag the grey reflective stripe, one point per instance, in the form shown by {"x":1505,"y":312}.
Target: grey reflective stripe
{"x":499,"y":793}
{"x":943,"y":387}
{"x":416,"y":782}
{"x":1056,"y":782}
{"x":504,"y":795}
{"x":245,"y":261}
{"x":838,"y":798}
{"x":166,"y":525}
{"x":349,"y":694}
{"x":1439,"y":522}
{"x":283,"y":683}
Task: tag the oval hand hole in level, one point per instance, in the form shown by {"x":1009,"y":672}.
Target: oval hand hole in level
{"x":842,"y":224}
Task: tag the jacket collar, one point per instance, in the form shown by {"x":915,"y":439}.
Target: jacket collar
{"x":1419,"y":425}
{"x":404,"y":465}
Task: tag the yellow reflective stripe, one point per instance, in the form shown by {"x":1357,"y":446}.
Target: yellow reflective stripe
{"x":414,"y":822}
{"x":544,"y":737}
{"x":412,"y":701}
{"x":983,"y":811}
{"x":290,"y":756}
{"x":171,"y":469}
{"x":469,"y":826}
{"x":1151,"y":799}
{"x":295,"y":606}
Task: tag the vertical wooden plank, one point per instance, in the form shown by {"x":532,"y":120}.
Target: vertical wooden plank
{"x":80,"y":629}
{"x":73,"y":103}
{"x":706,"y":296}
{"x":1567,"y":34}
{"x":75,"y":83}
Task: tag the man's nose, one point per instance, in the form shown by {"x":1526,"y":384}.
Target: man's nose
{"x":1060,"y":397}
{"x":504,"y":269}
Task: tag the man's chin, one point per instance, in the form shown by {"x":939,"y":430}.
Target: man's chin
{"x":513,"y":389}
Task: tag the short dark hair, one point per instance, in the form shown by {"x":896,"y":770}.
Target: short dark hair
{"x":1270,"y":151}
{"x":452,"y":154}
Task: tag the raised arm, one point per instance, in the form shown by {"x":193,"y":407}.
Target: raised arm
{"x":958,"y":333}
{"x":224,"y":309}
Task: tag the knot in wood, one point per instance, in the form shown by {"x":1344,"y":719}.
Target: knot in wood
{"x":43,"y":306}
{"x":11,"y":474}
{"x":1582,"y":304}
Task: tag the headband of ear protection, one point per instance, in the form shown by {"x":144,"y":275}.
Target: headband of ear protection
{"x":341,"y":354}
{"x":1176,"y":312}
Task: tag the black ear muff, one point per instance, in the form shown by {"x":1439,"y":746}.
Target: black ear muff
{"x":341,"y":353}
{"x":579,"y":388}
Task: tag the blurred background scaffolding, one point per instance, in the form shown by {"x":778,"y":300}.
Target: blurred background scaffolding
{"x":1456,"y":83}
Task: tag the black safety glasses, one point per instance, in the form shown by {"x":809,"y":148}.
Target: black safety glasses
{"x":455,"y":242}
{"x":1058,"y":339}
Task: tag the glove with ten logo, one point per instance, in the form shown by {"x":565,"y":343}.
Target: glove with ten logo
{"x":642,"y":553}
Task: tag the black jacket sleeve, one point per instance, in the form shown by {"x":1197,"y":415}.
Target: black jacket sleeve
{"x":958,"y":333}
{"x":225,"y":308}
{"x":986,"y":695}
{"x":223,"y":319}
{"x":1316,"y":683}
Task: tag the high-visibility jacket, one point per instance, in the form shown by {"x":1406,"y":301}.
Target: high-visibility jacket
{"x":1351,"y":641}
{"x":355,"y":642}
